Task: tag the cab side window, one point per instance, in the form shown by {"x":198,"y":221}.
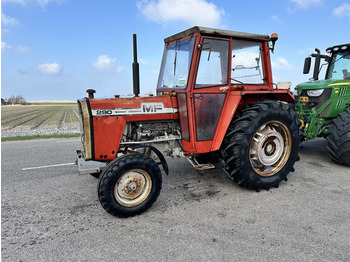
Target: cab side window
{"x":247,"y":65}
{"x":213,"y":63}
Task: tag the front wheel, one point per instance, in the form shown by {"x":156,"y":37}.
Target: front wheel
{"x":129,"y":185}
{"x":261,"y":146}
{"x":338,"y":141}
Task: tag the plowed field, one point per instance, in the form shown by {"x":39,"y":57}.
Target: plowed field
{"x":39,"y":116}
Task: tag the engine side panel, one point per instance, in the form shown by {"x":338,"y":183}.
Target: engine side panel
{"x":109,"y":118}
{"x":108,"y":132}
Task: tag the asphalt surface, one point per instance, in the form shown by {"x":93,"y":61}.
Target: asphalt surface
{"x":53,"y":214}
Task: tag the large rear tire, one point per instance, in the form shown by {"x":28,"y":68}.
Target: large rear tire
{"x":261,"y":146}
{"x":338,"y":141}
{"x":129,"y":185}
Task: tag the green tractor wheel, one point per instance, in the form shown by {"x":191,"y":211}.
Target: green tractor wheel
{"x":339,"y":139}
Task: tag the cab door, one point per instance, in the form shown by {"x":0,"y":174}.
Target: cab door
{"x":208,"y":94}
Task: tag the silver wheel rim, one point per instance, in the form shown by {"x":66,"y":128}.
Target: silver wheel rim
{"x":133,"y":187}
{"x":270,"y":148}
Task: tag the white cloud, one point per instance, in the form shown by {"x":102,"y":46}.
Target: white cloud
{"x":21,"y":49}
{"x":274,"y":17}
{"x":5,"y":46}
{"x":51,"y":69}
{"x":343,"y":10}
{"x":306,"y":3}
{"x":7,"y":20}
{"x":193,"y":12}
{"x":280,"y":63}
{"x":142,"y":61}
{"x":46,"y":2}
{"x":246,"y":58}
{"x":105,"y":63}
{"x":15,"y":49}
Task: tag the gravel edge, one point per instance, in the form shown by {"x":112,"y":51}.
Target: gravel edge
{"x":41,"y":131}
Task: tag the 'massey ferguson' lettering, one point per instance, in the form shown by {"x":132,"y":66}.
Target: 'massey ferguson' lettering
{"x":152,"y":108}
{"x":145,"y":108}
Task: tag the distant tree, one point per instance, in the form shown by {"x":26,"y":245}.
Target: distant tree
{"x":11,"y":100}
{"x":16,"y":99}
{"x":20,"y":100}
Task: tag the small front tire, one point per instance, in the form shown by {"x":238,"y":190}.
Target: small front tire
{"x":129,"y":185}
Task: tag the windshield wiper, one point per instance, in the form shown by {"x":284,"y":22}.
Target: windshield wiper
{"x":348,"y":53}
{"x":175,"y":62}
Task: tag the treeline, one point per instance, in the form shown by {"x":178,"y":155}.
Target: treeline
{"x":14,"y":100}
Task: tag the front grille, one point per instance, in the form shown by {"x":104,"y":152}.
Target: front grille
{"x":85,"y":126}
{"x":316,"y":102}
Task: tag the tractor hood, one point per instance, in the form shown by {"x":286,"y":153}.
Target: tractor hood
{"x":328,"y":97}
{"x":320,"y":84}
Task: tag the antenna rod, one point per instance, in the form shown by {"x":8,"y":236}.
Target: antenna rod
{"x":135,"y":70}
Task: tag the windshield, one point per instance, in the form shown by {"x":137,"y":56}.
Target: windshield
{"x":176,"y":64}
{"x":339,"y":67}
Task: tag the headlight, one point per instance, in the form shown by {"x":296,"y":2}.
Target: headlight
{"x":316,"y":92}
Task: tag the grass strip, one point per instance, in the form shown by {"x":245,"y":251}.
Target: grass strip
{"x":14,"y":138}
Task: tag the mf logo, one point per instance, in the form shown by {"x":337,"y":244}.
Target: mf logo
{"x":152,"y":107}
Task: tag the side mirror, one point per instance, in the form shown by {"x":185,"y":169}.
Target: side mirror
{"x":307,"y":65}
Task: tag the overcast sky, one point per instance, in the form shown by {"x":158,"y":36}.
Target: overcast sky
{"x":56,"y":49}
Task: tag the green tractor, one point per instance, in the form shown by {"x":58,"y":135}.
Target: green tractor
{"x":323,"y":106}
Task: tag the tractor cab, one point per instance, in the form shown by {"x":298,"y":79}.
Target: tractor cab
{"x":208,"y":70}
{"x":338,"y":62}
{"x":327,"y":96}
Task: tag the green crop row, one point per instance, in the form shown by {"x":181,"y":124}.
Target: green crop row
{"x":71,"y":116}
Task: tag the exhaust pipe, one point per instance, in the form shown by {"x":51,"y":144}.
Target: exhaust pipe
{"x":318,"y":58}
{"x":135,"y":70}
{"x":317,"y":64}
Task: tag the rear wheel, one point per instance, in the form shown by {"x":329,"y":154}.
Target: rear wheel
{"x":261,"y":146}
{"x":338,"y":141}
{"x":129,"y":185}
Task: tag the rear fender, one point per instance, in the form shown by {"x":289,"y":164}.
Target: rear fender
{"x":240,"y":101}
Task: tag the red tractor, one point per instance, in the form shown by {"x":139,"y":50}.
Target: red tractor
{"x":215,"y":100}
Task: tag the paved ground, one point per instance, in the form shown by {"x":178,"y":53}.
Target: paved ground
{"x":52,"y":214}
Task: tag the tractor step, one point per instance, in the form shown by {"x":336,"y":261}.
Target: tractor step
{"x":193,"y":161}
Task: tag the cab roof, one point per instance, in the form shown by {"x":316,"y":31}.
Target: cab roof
{"x":215,"y":32}
{"x":338,"y":48}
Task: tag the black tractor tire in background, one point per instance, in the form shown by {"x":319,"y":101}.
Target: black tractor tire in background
{"x":338,"y":141}
{"x":262,"y":145}
{"x":129,"y":185}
